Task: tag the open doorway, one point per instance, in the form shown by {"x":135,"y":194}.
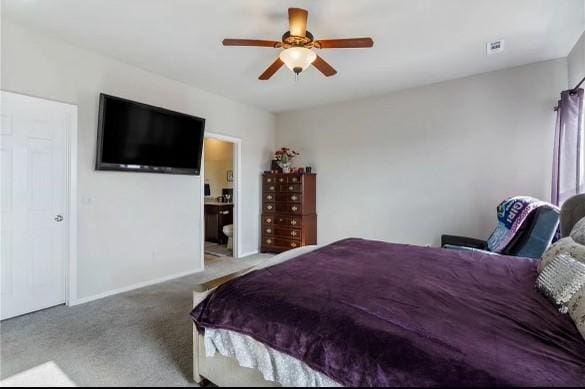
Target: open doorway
{"x":220,"y":202}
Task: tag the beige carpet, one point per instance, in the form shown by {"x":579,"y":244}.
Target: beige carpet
{"x":139,"y":338}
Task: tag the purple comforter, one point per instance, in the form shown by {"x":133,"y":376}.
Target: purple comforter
{"x":369,"y":313}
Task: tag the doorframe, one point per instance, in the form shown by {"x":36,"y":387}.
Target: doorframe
{"x":237,"y":142}
{"x":71,"y":149}
{"x":72,"y":161}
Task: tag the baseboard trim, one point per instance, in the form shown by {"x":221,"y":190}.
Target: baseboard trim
{"x":249,"y":253}
{"x":129,"y":288}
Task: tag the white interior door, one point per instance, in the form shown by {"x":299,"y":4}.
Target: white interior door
{"x":34,"y":198}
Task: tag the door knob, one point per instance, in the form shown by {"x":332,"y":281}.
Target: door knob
{"x":59,"y":218}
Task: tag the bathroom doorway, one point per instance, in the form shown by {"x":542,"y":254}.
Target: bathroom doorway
{"x":220,"y":192}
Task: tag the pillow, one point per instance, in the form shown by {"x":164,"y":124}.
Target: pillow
{"x":577,"y":310}
{"x":564,"y":246}
{"x":560,"y":280}
{"x":578,"y":232}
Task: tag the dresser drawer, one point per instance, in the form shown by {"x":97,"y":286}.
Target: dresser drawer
{"x":277,"y":242}
{"x":269,"y":179}
{"x":286,"y":232}
{"x":290,"y":188}
{"x":288,"y":197}
{"x":268,"y":220}
{"x":267,"y":231}
{"x":289,"y":221}
{"x":282,"y":232}
{"x":270,"y":187}
{"x":293,"y":179}
{"x":269,"y":207}
{"x":292,"y":208}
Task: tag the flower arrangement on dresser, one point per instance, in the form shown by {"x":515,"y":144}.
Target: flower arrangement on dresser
{"x":284,"y":157}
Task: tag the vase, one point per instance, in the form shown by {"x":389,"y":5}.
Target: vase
{"x":285,"y":166}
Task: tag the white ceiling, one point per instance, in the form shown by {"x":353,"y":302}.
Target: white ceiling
{"x":416,"y":41}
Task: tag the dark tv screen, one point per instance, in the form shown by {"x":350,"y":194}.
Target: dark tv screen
{"x":138,"y":137}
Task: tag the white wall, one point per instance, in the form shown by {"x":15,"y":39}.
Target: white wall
{"x":411,"y":165}
{"x":576,"y":62}
{"x":134,"y":227}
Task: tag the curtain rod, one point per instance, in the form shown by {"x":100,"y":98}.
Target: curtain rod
{"x":574,"y":90}
{"x":578,"y":85}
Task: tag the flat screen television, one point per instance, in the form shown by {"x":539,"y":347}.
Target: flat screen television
{"x":141,"y":138}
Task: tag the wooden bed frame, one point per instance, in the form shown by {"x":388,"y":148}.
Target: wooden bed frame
{"x":220,"y":370}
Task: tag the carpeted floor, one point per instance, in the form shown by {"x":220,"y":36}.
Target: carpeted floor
{"x":139,"y":338}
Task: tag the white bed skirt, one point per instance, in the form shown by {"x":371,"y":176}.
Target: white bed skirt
{"x":274,"y":365}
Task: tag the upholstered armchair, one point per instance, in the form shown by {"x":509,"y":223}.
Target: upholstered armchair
{"x":531,"y":240}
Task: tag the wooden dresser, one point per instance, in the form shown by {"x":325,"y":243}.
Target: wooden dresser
{"x":289,"y":218}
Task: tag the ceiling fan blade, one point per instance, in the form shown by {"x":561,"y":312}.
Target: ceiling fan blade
{"x":344,"y":43}
{"x":297,"y":21}
{"x":324,"y":67}
{"x":251,"y":42}
{"x":271,"y":69}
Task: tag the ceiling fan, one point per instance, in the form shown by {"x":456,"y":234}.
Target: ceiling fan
{"x":298,"y":44}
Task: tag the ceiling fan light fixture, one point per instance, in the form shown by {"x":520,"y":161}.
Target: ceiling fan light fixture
{"x":297,"y":46}
{"x":297,"y":59}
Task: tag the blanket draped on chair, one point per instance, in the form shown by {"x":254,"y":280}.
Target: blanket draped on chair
{"x":512,"y":213}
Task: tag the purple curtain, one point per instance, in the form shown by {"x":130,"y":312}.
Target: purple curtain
{"x":568,"y":169}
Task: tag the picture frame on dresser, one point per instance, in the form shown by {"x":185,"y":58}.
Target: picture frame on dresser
{"x":289,"y":215}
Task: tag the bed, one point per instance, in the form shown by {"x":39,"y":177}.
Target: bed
{"x":368,"y":313}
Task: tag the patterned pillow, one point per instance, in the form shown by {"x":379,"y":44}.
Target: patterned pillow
{"x":578,"y":231}
{"x":577,"y":310}
{"x":564,"y":246}
{"x":560,"y":280}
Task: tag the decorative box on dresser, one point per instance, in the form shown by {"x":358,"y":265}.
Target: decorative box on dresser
{"x":289,"y":217}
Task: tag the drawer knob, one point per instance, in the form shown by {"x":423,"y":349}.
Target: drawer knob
{"x":271,"y":188}
{"x":269,"y":197}
{"x":269,"y":180}
{"x":269,"y":241}
{"x":291,"y":187}
{"x":294,"y":179}
{"x":269,"y":207}
{"x":294,"y":198}
{"x":293,"y":222}
{"x":293,"y":244}
{"x":293,"y":233}
{"x":294,"y":208}
{"x":225,"y":212}
{"x":282,"y":180}
{"x":269,"y":230}
{"x":269,"y":220}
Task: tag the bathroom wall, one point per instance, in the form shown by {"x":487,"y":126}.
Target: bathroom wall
{"x":219,"y":159}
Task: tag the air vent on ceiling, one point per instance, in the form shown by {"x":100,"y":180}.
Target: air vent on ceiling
{"x":495,"y":47}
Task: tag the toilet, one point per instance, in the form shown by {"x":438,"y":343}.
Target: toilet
{"x":228,"y":231}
